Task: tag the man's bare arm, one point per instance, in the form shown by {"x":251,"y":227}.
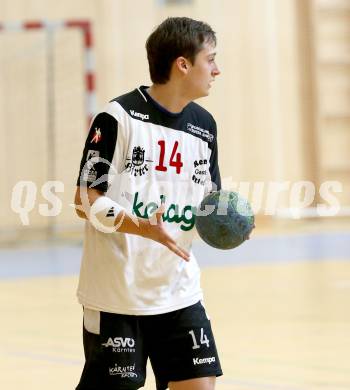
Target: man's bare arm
{"x":152,"y":228}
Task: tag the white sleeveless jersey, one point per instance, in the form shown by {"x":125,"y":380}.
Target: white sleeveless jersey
{"x":141,"y":155}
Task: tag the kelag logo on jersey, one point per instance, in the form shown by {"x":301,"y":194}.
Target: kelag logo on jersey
{"x":137,"y":165}
{"x":185,"y":218}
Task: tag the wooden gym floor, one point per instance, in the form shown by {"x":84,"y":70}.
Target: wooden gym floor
{"x":279,"y":306}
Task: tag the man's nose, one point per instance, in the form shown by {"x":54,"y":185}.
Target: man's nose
{"x":216,"y":71}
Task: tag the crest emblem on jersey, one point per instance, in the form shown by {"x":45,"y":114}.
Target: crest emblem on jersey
{"x":97,"y":136}
{"x":137,"y":164}
{"x":138,"y":156}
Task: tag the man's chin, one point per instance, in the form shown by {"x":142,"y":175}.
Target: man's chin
{"x":201,"y":94}
{"x":204,"y":93}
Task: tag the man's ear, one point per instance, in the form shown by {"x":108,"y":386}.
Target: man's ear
{"x":182,"y":64}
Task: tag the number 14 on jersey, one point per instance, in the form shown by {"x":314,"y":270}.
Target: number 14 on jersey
{"x":175,"y":158}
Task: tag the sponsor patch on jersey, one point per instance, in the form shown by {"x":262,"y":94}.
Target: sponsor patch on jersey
{"x":89,"y":175}
{"x":199,"y":131}
{"x":123,"y":371}
{"x":92,"y":153}
{"x":200,"y":173}
{"x":96,"y":138}
{"x":136,"y":164}
{"x":120,"y":344}
{"x":173,"y":214}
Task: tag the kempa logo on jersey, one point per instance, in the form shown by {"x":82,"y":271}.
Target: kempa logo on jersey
{"x":139,"y":115}
{"x":124,"y":372}
{"x":173,"y":215}
{"x":136,"y":164}
{"x":197,"y":361}
{"x":199,"y":131}
{"x":120,"y":344}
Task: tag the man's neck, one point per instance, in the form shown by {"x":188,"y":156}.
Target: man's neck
{"x":169,"y":96}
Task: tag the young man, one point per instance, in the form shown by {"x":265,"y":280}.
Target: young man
{"x":148,"y":161}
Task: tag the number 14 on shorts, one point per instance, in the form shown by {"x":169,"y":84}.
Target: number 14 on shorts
{"x":203,"y":339}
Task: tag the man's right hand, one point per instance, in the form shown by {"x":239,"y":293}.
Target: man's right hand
{"x":152,"y":228}
{"x":157,"y":232}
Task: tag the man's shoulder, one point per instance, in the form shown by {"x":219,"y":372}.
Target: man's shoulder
{"x":201,"y":112}
{"x":132,"y":104}
{"x":201,"y":117}
{"x":129,"y":97}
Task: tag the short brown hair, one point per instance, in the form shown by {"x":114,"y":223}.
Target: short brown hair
{"x":175,"y":37}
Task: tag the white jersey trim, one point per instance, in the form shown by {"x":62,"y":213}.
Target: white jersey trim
{"x":142,"y":94}
{"x":144,"y":311}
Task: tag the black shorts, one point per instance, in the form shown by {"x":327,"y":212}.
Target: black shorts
{"x":179,"y":344}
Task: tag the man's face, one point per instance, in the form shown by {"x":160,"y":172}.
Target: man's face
{"x":203,"y":72}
